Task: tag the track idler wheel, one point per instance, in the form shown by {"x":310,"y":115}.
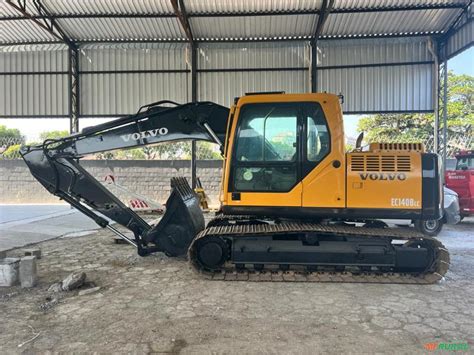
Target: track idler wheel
{"x":212,"y":253}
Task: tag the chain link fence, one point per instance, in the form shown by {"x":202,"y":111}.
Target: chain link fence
{"x":455,"y":143}
{"x":10,"y":147}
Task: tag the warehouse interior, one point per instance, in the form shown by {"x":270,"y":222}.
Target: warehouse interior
{"x":79,"y":61}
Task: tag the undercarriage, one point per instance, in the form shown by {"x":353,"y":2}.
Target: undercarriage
{"x":240,"y":248}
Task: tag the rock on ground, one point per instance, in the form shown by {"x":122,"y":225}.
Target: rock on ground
{"x":73,"y":281}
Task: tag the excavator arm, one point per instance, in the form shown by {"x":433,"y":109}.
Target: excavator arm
{"x":55,"y":164}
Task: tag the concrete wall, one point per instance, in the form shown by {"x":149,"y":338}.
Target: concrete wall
{"x":150,"y":178}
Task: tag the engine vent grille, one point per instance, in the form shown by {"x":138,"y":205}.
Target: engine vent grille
{"x":377,"y":147}
{"x":388,"y":163}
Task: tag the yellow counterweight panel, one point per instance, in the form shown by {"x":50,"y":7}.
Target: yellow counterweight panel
{"x":384,"y":180}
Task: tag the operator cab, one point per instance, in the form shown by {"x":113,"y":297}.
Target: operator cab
{"x":269,"y":153}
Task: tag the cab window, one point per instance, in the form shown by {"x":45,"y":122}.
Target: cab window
{"x":269,"y":154}
{"x":318,"y":140}
{"x":266,"y":148}
{"x":267,"y":134}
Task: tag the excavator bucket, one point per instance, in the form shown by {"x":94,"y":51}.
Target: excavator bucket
{"x":182,"y":221}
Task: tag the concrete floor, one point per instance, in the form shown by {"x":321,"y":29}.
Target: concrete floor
{"x":157,"y":304}
{"x":26,"y":224}
{"x":15,"y":213}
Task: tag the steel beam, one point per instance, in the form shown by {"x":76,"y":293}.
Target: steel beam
{"x":444,"y":6}
{"x":417,"y":7}
{"x":181,"y":14}
{"x":234,"y":40}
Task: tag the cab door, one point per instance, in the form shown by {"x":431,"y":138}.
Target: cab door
{"x":265,"y":163}
{"x":323,"y":157}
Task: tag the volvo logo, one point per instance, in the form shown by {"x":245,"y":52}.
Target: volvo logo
{"x":146,"y":134}
{"x":383,"y":176}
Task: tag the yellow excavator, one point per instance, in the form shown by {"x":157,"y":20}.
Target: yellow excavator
{"x":288,"y":190}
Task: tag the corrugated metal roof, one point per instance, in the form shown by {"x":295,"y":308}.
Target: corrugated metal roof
{"x":388,"y":22}
{"x":8,"y":11}
{"x":371,"y":4}
{"x":157,"y":23}
{"x":122,"y":28}
{"x":23,"y":31}
{"x":153,"y":20}
{"x":109,"y":7}
{"x":219,"y":6}
{"x":253,"y":27}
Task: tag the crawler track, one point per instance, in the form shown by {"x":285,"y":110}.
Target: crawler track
{"x":228,"y":272}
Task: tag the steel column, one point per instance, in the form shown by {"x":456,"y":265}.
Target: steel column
{"x":443,"y":103}
{"x":314,"y":66}
{"x":445,"y":112}
{"x":193,"y":99}
{"x":432,"y":47}
{"x":326,"y":8}
{"x":73,"y":88}
{"x":182,"y":15}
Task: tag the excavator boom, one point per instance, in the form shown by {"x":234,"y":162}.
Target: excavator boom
{"x":55,"y":164}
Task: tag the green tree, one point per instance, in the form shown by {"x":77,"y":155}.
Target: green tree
{"x":9,"y":133}
{"x":130,"y":154}
{"x":53,"y":135}
{"x":207,"y":151}
{"x":409,"y":128}
{"x":10,"y":142}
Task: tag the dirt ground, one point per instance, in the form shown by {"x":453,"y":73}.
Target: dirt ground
{"x":157,"y":304}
